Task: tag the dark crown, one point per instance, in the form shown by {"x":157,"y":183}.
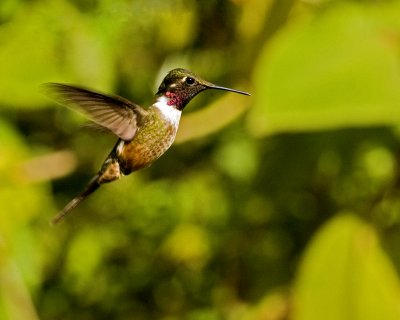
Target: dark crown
{"x":181,"y":85}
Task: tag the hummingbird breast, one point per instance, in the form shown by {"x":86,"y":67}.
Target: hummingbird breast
{"x":151,"y":141}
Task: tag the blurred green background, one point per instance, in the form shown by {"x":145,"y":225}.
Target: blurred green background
{"x":282,"y":205}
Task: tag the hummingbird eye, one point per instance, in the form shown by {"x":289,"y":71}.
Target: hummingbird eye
{"x":189,"y":81}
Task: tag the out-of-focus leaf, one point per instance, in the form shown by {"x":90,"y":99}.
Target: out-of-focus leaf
{"x":238,"y":158}
{"x":15,"y":301}
{"x":273,"y":306}
{"x":337,"y":69}
{"x":253,"y":17}
{"x":346,"y":275}
{"x":187,"y":244}
{"x":47,"y":167}
{"x":212,"y":118}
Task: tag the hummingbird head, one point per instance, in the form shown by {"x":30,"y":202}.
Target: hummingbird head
{"x":181,"y":85}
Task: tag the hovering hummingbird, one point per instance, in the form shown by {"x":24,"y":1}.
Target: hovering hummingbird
{"x":144,"y":133}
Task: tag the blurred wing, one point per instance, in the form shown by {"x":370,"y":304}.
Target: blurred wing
{"x":116,"y":114}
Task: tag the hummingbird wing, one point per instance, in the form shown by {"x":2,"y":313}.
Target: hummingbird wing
{"x":118,"y":115}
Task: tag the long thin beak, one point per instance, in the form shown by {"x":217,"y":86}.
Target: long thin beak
{"x":213,"y":86}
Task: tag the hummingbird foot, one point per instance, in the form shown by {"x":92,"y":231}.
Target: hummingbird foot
{"x":110,"y":171}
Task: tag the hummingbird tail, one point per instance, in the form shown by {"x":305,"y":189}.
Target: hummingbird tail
{"x":93,"y":185}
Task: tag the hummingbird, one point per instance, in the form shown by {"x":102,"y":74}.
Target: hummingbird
{"x":144,"y":134}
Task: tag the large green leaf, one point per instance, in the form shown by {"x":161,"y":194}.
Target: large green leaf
{"x":337,"y":69}
{"x":346,"y":275}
